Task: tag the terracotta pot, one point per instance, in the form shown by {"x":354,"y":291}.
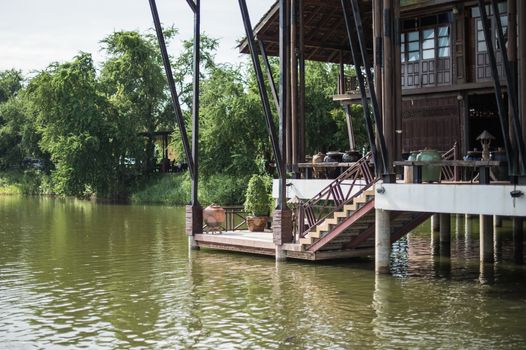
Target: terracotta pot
{"x":257,"y":223}
{"x":214,"y":216}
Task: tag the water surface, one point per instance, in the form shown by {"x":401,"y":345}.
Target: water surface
{"x":79,"y":275}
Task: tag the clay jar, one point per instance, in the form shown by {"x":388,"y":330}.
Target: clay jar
{"x":319,"y":173}
{"x":333,"y":157}
{"x":430,"y":173}
{"x":214,"y":216}
{"x":351,"y":156}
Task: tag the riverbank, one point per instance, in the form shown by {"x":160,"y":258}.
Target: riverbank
{"x":174,"y":189}
{"x":28,"y":182}
{"x":165,"y":189}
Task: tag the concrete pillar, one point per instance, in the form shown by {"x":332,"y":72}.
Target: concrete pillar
{"x":192,"y":243}
{"x":445,"y":234}
{"x":468,"y":236}
{"x":458,"y":221}
{"x":282,"y":231}
{"x":497,"y":241}
{"x":435,"y":222}
{"x":497,"y":221}
{"x":518,"y":240}
{"x":435,"y":243}
{"x":487,"y":273}
{"x":486,"y":238}
{"x":382,"y":241}
{"x":281,"y":255}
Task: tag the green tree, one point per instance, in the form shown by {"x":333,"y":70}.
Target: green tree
{"x":133,"y":79}
{"x":233,"y":132}
{"x":75,"y":123}
{"x":10,"y":83}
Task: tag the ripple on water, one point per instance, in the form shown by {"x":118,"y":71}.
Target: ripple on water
{"x":78,"y":275}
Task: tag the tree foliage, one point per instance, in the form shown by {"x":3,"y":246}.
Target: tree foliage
{"x":86,"y":121}
{"x":74,"y":121}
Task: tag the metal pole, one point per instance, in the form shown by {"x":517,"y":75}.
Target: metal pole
{"x":283,"y":88}
{"x":521,"y":19}
{"x":270,"y":77}
{"x":361,"y":83}
{"x":372,"y":92}
{"x":173,"y":91}
{"x":488,"y":37}
{"x":301,"y":59}
{"x":262,"y":90}
{"x":512,"y":93}
{"x":196,"y":101}
{"x":512,"y":56}
{"x":293,"y":83}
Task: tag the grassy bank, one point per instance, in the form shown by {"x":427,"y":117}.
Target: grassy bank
{"x":165,"y":189}
{"x":174,"y":189}
{"x":29,"y":182}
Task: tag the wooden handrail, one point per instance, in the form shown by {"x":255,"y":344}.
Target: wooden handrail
{"x":337,"y":194}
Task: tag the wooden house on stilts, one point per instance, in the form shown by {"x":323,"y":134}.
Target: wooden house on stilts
{"x":442,"y":75}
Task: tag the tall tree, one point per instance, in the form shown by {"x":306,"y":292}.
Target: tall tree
{"x":134,"y":81}
{"x":75,"y":123}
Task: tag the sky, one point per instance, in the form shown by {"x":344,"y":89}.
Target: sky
{"x":34,"y":33}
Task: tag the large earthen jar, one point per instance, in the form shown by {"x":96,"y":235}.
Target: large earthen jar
{"x":214,"y":216}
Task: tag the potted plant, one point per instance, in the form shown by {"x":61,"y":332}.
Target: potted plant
{"x":258,"y":201}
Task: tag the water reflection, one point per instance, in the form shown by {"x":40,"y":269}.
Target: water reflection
{"x":78,"y":275}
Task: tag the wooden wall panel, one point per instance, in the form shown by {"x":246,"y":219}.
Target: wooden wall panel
{"x":432,"y":123}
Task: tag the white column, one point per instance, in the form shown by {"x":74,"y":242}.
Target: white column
{"x":382,"y":241}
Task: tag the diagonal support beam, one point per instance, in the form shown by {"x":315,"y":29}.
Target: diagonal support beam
{"x":361,"y":84}
{"x":488,"y":37}
{"x":270,"y":77}
{"x":192,"y":5}
{"x":512,"y":92}
{"x":261,"y":85}
{"x":370,"y":83}
{"x":173,"y":90}
{"x":410,"y":226}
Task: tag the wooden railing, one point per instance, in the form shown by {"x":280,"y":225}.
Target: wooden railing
{"x":332,"y":198}
{"x":449,"y":172}
{"x":236,"y":219}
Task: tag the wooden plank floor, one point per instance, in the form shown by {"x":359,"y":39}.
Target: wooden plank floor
{"x":239,"y":241}
{"x":261,"y":243}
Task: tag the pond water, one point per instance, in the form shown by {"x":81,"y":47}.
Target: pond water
{"x":77,"y":275}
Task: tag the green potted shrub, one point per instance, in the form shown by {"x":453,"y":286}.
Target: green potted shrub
{"x":258,"y":201}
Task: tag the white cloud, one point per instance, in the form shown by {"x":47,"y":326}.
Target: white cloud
{"x":34,"y":33}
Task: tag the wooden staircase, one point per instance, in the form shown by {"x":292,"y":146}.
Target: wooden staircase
{"x":350,"y":231}
{"x":336,"y":218}
{"x":340,"y":221}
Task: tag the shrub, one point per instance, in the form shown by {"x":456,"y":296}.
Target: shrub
{"x":258,"y":199}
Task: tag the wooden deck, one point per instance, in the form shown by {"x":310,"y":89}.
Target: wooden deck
{"x":239,"y":241}
{"x":261,"y":243}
